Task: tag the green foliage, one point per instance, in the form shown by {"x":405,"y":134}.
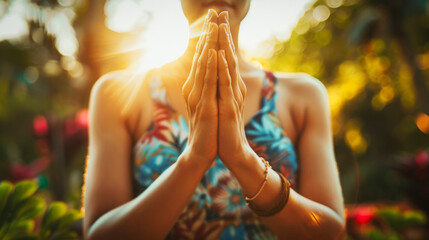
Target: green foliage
{"x":398,"y":220}
{"x":377,"y":235}
{"x":376,"y":88}
{"x":19,"y":208}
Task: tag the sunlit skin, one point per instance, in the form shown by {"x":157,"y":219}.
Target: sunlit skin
{"x":218,"y":92}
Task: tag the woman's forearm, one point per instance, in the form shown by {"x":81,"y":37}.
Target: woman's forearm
{"x":301,"y":218}
{"x":153,"y":213}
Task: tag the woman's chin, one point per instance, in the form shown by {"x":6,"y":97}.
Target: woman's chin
{"x":220,"y":9}
{"x":219,"y":6}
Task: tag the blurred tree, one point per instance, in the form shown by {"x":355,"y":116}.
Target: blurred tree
{"x":373,"y":56}
{"x":47,"y":68}
{"x":40,"y":85}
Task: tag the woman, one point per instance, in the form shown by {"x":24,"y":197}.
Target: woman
{"x":207,"y":134}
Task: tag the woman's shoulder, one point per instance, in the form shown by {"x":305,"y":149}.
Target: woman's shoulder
{"x":305,"y":95}
{"x":121,"y":86}
{"x":302,"y":84}
{"x":121,"y":94}
{"x":303,"y":87}
{"x":124,"y":81}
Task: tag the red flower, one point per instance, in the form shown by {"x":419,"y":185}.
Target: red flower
{"x":40,"y":125}
{"x":364,"y":215}
{"x":422,"y":159}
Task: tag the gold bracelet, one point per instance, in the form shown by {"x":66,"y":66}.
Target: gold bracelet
{"x":284,"y":197}
{"x":267,"y":168}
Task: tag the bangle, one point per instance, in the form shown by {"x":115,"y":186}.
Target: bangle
{"x":267,"y":167}
{"x":284,"y":197}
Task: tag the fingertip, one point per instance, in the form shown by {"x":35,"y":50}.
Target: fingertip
{"x":224,"y":16}
{"x":211,"y":12}
{"x":212,"y":15}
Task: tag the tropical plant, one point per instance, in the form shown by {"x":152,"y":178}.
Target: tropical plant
{"x":386,"y":222}
{"x":20,"y":209}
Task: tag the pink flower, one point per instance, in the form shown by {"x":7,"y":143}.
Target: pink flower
{"x":40,"y":125}
{"x":82,"y":118}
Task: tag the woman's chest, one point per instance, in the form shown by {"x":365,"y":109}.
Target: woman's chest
{"x":143,"y":118}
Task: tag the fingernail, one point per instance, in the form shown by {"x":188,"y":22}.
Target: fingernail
{"x":212,"y":11}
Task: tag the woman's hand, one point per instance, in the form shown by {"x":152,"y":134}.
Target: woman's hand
{"x":233,"y":144}
{"x":200,"y":91}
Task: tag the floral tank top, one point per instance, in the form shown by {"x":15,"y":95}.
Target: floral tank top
{"x":217,"y":209}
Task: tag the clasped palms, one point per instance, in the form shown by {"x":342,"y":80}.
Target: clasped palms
{"x":215,"y":93}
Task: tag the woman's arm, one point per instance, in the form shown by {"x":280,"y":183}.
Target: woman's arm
{"x":316,"y":212}
{"x":109,"y":211}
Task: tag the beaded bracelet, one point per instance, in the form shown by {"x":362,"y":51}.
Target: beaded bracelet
{"x":284,"y":197}
{"x":267,"y":168}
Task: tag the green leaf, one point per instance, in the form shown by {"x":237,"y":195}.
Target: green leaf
{"x":64,"y":236}
{"x":20,"y":192}
{"x":414,"y":218}
{"x":30,"y":208}
{"x":376,"y":235}
{"x":5,"y":189}
{"x":3,"y":230}
{"x":21,"y":236}
{"x":22,"y":226}
{"x":393,"y":217}
{"x":68,"y":219}
{"x":23,"y":190}
{"x":55,"y":211}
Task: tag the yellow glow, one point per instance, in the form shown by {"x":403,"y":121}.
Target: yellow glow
{"x":355,"y":140}
{"x":423,"y":60}
{"x":166,"y":32}
{"x":387,"y":93}
{"x":354,"y":137}
{"x":349,"y":82}
{"x":52,"y":68}
{"x":406,"y":89}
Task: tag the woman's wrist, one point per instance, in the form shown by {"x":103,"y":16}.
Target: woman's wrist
{"x":250,"y":164}
{"x":193,"y":160}
{"x":242,"y":158}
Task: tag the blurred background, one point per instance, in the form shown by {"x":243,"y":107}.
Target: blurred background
{"x":372,"y":55}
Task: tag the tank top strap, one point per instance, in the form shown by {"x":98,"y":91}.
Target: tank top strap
{"x":269,"y":95}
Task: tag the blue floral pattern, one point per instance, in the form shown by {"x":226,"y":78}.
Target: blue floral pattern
{"x":217,"y":208}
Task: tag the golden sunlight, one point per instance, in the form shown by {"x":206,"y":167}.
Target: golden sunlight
{"x":165,"y":32}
